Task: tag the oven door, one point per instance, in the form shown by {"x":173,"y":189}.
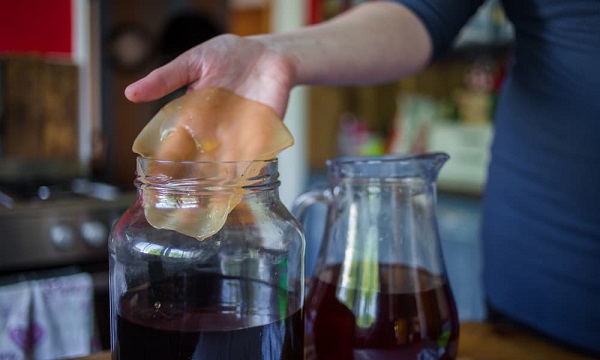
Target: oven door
{"x":58,"y":239}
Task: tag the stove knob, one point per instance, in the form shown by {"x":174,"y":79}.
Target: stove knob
{"x":62,"y":236}
{"x":94,"y":233}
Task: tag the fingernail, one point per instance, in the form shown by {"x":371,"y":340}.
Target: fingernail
{"x":130,"y":93}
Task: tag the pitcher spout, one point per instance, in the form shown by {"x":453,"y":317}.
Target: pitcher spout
{"x":433,"y":163}
{"x":426,"y":166}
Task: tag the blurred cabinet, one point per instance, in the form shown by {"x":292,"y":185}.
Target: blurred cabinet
{"x":249,"y":17}
{"x":40,"y":117}
{"x":374,"y":106}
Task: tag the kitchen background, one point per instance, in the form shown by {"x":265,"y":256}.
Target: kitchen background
{"x":66,"y":166}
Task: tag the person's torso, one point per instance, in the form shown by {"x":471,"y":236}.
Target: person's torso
{"x":541,"y":227}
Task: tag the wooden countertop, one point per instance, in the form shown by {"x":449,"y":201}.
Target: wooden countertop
{"x":485,"y":341}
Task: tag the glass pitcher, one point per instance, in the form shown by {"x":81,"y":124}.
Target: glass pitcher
{"x":380,"y":289}
{"x":237,"y":294}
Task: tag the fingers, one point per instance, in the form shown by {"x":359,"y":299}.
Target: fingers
{"x":161,"y":81}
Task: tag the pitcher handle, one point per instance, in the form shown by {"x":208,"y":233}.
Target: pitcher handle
{"x":319,"y":193}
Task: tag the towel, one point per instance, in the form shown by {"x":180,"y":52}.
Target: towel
{"x":47,"y":319}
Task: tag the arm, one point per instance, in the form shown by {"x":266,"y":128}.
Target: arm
{"x":374,"y":42}
{"x":371,"y":43}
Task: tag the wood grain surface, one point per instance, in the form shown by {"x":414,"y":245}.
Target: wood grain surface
{"x":485,"y":341}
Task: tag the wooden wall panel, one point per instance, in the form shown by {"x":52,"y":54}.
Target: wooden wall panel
{"x":40,"y":109}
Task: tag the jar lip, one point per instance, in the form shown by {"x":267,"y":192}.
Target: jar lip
{"x":144,"y":159}
{"x":189,"y":175}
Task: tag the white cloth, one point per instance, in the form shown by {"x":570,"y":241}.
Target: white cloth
{"x":47,"y":319}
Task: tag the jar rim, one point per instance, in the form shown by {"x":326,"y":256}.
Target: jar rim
{"x":165,"y":161}
{"x":189,"y":175}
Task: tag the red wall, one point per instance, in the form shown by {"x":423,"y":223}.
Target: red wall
{"x":39,"y":26}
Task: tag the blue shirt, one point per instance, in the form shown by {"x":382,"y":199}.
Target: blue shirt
{"x":541,"y":217}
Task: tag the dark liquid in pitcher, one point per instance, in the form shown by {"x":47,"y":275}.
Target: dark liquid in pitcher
{"x":203,"y":322}
{"x":393,"y":321}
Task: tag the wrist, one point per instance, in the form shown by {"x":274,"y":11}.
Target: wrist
{"x":280,"y":57}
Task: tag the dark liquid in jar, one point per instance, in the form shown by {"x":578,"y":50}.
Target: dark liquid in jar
{"x":160,"y":322}
{"x":411,"y":315}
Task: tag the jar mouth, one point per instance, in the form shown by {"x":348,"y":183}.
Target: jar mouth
{"x":143,"y":159}
{"x":189,"y":174}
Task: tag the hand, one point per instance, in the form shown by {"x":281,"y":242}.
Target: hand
{"x":245,"y":66}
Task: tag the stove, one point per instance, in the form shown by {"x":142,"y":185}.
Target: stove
{"x":54,"y":225}
{"x":54,"y":229}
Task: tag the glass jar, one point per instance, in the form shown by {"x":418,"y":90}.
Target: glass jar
{"x":233,"y":293}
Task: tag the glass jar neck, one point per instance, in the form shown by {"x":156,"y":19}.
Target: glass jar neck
{"x":206,"y":176}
